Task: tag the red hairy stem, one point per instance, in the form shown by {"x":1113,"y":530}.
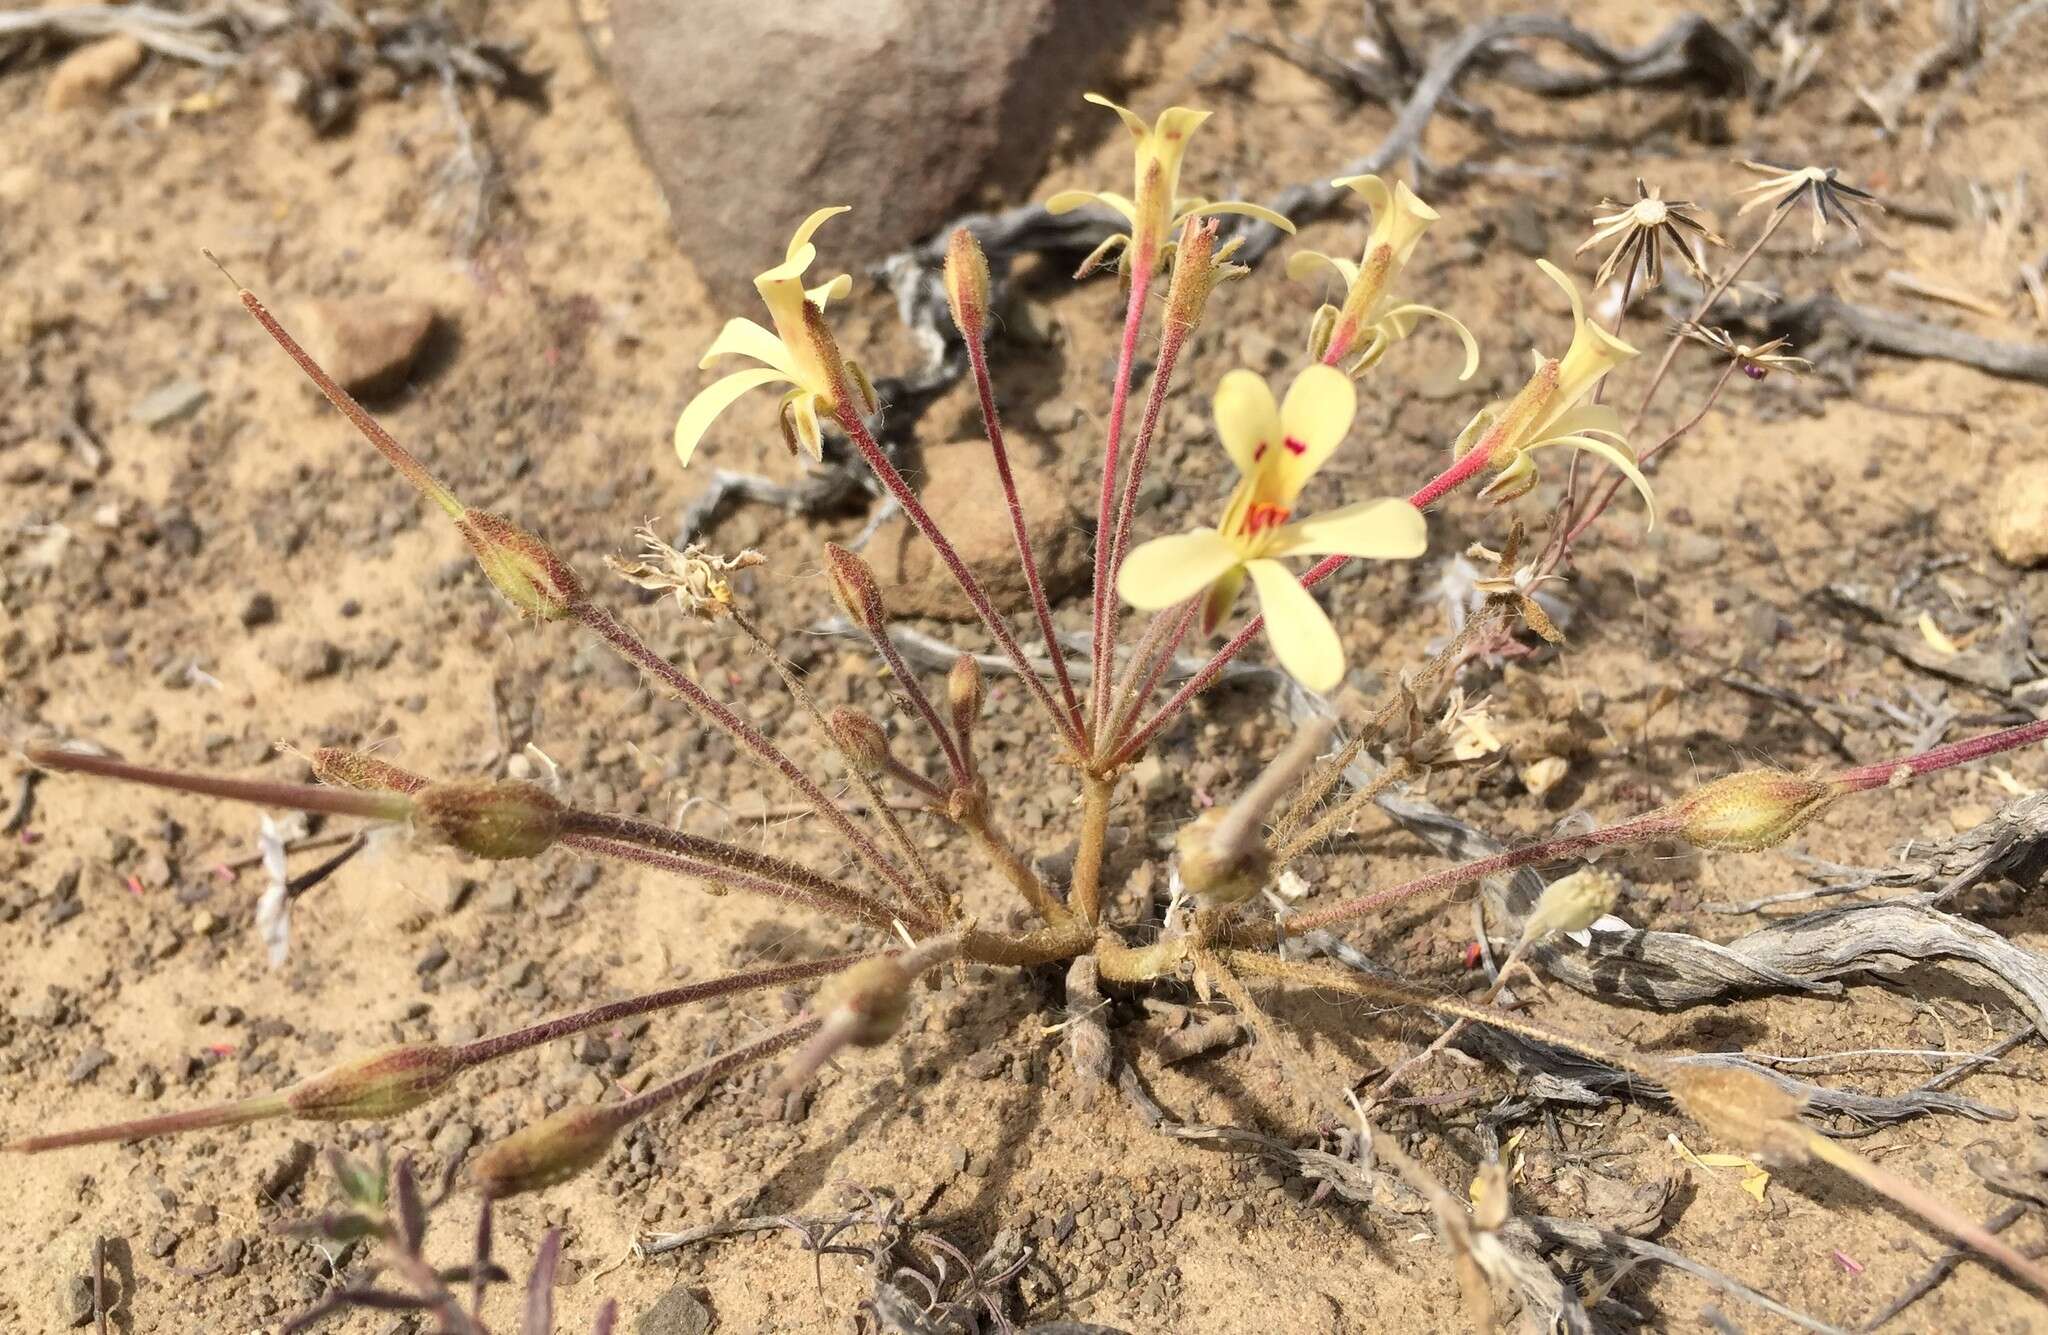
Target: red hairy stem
{"x":834,"y":899}
{"x":893,"y":482}
{"x":1102,"y":651}
{"x":977,"y":359}
{"x":1866,"y":777}
{"x":261,"y":792}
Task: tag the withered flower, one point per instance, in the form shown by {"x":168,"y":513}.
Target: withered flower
{"x":1645,"y":228}
{"x":1820,"y":187}
{"x":696,"y":577}
{"x":1755,"y":362}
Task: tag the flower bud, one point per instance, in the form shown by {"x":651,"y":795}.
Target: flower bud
{"x":967,"y":284}
{"x":551,"y":1151}
{"x":874,"y":994}
{"x":489,"y":818}
{"x":383,"y":1084}
{"x":966,"y":693}
{"x":1218,"y":877}
{"x":1746,"y":812}
{"x":861,"y":738}
{"x":1739,"y":1108}
{"x":1572,"y":903}
{"x":521,"y":567}
{"x":343,"y":768}
{"x":854,"y":586}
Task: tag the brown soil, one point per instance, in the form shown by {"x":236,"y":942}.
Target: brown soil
{"x":570,"y":342}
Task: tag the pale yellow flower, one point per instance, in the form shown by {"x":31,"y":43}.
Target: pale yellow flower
{"x":1370,"y":316}
{"x":1156,"y":207}
{"x":1277,"y":448}
{"x":788,"y":355}
{"x":1549,"y":411}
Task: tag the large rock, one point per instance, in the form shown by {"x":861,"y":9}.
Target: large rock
{"x":368,"y":344}
{"x":2019,"y":516}
{"x":965,"y":498}
{"x":752,"y":114}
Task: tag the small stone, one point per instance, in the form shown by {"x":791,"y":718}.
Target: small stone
{"x":454,"y":1141}
{"x":431,"y":959}
{"x":167,"y":403}
{"x":259,"y":610}
{"x":307,"y":660}
{"x":2019,"y":516}
{"x":74,"y":1301}
{"x":369,"y":344}
{"x":1109,"y":1230}
{"x":285,"y":1171}
{"x":92,"y":72}
{"x":676,"y":1312}
{"x":592,"y":1050}
{"x":89,"y":1064}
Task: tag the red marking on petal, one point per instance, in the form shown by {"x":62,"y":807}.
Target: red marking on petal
{"x":1295,"y":447}
{"x":1260,"y":452}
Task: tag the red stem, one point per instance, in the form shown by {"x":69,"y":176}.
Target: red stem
{"x":977,"y":357}
{"x":1101,"y":649}
{"x":1866,"y":777}
{"x":261,"y":792}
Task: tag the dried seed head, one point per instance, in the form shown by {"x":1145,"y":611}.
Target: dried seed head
{"x":873,"y":995}
{"x":343,"y":768}
{"x":1572,"y":903}
{"x":694,"y":577}
{"x":854,"y":586}
{"x":1740,"y":1109}
{"x":861,"y":738}
{"x":966,"y":693}
{"x":521,"y":567}
{"x":1746,"y":812}
{"x":1215,"y":876}
{"x":967,"y":284}
{"x":551,"y":1151}
{"x":383,"y":1084}
{"x":489,"y":818}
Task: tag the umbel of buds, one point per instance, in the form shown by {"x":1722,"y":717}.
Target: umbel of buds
{"x":489,"y":818}
{"x":521,"y":567}
{"x":967,"y":284}
{"x":1751,"y":811}
{"x":383,"y":1084}
{"x":552,"y":1150}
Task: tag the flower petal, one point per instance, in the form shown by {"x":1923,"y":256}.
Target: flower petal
{"x":1590,"y":419}
{"x":811,"y":224}
{"x":1131,"y":119}
{"x":1614,"y":454}
{"x":1170,"y":570}
{"x":1406,"y":314}
{"x":1314,"y":421}
{"x":1371,"y":189}
{"x":714,"y":399}
{"x":1386,"y":529}
{"x":1246,"y":418}
{"x":1303,"y":639}
{"x":1066,"y":201}
{"x":1221,"y":597}
{"x":1302,"y":265}
{"x":1206,"y":207}
{"x":743,"y":338}
{"x":826,"y":293}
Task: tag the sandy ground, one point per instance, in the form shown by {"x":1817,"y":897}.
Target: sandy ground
{"x":134,"y":978}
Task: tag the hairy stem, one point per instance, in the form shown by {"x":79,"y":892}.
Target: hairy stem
{"x":1016,"y":870}
{"x":1085,"y":896}
{"x":259,"y":792}
{"x":1102,"y":646}
{"x":843,"y":901}
{"x":1884,"y":774}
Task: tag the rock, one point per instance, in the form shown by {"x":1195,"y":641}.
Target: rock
{"x":92,"y":72}
{"x":676,"y":1312}
{"x":74,"y":1301}
{"x":167,"y":403}
{"x":872,"y":80}
{"x":454,"y":1141}
{"x":965,"y":498}
{"x":259,"y":610}
{"x":369,"y":344}
{"x":2019,"y":516}
{"x":286,"y":1169}
{"x":89,"y":1063}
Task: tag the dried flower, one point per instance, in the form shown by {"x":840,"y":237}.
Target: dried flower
{"x":1645,"y":228}
{"x":1516,"y":584}
{"x":1548,"y":411}
{"x":1277,"y":448}
{"x":1156,"y":208}
{"x":695,"y":577}
{"x":1369,"y":314}
{"x":1820,"y":187}
{"x":1755,"y":362}
{"x":789,"y":355}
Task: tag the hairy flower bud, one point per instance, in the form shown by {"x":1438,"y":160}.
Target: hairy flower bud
{"x":966,"y":693}
{"x":854,"y":586}
{"x":383,"y":1084}
{"x":1572,"y":903}
{"x":1739,"y":1108}
{"x":521,"y":567}
{"x":861,"y":738}
{"x":967,"y":284}
{"x":1214,"y":876}
{"x":874,"y":994}
{"x":551,"y":1151}
{"x":1746,"y":812}
{"x":489,"y":818}
{"x":343,"y":768}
